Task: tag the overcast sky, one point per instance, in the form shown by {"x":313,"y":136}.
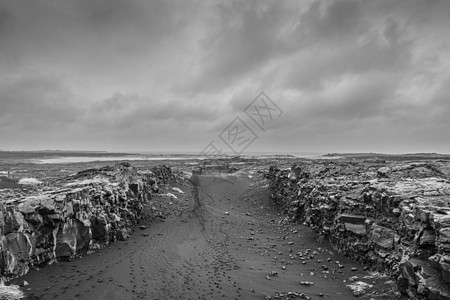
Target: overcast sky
{"x":349,"y":76}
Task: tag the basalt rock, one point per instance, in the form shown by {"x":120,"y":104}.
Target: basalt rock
{"x":394,"y":216}
{"x":86,"y":211}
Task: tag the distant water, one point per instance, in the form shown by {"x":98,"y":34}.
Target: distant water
{"x":165,"y":156}
{"x":277,"y":154}
{"x":244,"y":154}
{"x":82,"y":159}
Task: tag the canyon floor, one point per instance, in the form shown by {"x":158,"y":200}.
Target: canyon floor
{"x":222,"y":239}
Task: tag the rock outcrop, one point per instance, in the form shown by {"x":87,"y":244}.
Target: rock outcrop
{"x":85,"y":212}
{"x":393,"y":216}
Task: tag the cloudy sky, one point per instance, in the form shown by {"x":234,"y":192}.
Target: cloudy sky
{"x":349,"y":76}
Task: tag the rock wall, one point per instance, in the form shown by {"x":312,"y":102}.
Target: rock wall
{"x":393,"y":216}
{"x":86,"y":211}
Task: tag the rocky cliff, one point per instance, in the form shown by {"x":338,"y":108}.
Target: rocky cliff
{"x":79,"y":213}
{"x":393,"y":216}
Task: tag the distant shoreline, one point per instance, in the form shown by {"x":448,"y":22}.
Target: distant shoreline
{"x":63,"y":156}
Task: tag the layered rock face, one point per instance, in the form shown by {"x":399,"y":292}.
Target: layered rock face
{"x":84,"y":212}
{"x":394,"y":216}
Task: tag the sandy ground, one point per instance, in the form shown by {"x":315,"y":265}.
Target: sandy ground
{"x":222,"y":243}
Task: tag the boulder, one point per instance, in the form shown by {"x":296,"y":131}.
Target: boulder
{"x":440,"y":219}
{"x":99,"y":227}
{"x":384,"y":237}
{"x":84,"y":235}
{"x":66,"y":240}
{"x":358,"y":229}
{"x":13,"y":222}
{"x":428,"y":238}
{"x":17,"y":250}
{"x":352,"y":219}
{"x":444,"y":239}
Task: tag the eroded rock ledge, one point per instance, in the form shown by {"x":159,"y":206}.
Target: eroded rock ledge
{"x":83,"y":212}
{"x":393,"y":216}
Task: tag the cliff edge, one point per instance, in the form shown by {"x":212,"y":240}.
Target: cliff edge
{"x":393,"y":216}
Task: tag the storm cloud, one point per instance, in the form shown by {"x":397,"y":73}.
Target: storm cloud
{"x":160,"y":75}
